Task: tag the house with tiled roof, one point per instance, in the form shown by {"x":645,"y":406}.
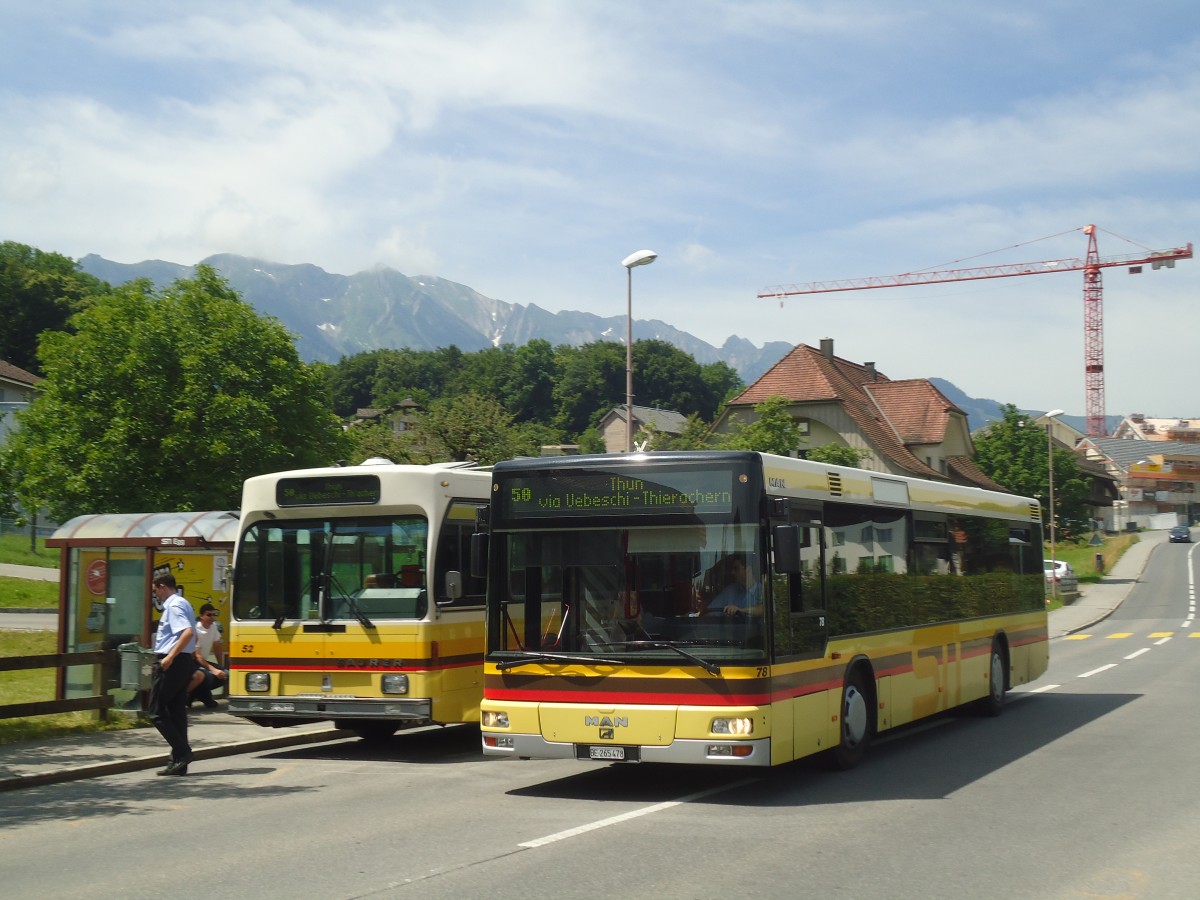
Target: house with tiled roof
{"x":17,"y":390}
{"x":905,"y":427}
{"x":645,"y":419}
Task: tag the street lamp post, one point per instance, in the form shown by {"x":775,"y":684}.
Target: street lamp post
{"x":641,"y":258}
{"x":1050,"y":417}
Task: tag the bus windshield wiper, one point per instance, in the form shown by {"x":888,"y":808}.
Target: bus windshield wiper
{"x":352,"y":605}
{"x":533,"y":656}
{"x":710,"y":667}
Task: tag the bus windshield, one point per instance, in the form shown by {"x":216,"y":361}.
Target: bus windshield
{"x":328,"y":569}
{"x":646,"y":590}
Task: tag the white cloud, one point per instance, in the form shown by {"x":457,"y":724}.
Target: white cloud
{"x":525,"y":149}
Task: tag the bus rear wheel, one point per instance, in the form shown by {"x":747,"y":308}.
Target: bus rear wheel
{"x":993,"y":703}
{"x":857,"y":721}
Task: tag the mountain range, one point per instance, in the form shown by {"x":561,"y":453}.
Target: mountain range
{"x":339,"y":315}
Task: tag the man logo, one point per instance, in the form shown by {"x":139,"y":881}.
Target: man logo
{"x":607,"y":734}
{"x":603,"y":721}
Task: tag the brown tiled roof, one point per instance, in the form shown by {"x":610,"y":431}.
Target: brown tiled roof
{"x":803,"y":376}
{"x":916,"y":409}
{"x":889,"y":414}
{"x":806,"y":375}
{"x":965,"y":470}
{"x":15,"y":373}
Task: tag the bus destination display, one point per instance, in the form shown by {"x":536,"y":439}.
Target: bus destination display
{"x":607,"y":493}
{"x":327,"y":490}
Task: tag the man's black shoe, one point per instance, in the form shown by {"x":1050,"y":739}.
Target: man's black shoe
{"x":175,"y":768}
{"x":211,"y":704}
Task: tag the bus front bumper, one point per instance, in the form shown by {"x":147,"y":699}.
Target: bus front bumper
{"x":698,"y":752}
{"x":322,"y":708}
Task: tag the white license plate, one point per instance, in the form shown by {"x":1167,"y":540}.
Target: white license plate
{"x":606,"y":752}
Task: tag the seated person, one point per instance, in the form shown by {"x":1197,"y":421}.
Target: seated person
{"x":210,"y":652}
{"x":742,"y":595}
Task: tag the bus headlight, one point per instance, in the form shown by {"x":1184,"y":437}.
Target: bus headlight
{"x":733,"y":726}
{"x":258,"y":682}
{"x":495,"y":719}
{"x":395,"y":684}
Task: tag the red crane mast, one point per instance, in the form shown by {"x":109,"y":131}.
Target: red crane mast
{"x":1093,"y":297}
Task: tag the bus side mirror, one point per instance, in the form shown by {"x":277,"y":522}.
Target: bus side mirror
{"x":787,"y":549}
{"x":479,"y":554}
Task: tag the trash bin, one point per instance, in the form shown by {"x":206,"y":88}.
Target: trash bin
{"x":136,"y":663}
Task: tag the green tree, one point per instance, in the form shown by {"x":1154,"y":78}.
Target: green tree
{"x":373,"y":441}
{"x":696,"y":435}
{"x":722,"y":382}
{"x":529,"y":394}
{"x":591,"y":381}
{"x":772,"y":430}
{"x":837,"y":455}
{"x":591,"y":441}
{"x":469,"y":427}
{"x":168,"y":401}
{"x":1013,"y":452}
{"x":8,"y":485}
{"x":350,"y":384}
{"x":39,"y":292}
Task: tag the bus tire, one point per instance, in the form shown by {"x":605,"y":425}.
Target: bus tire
{"x":993,"y":703}
{"x":857,"y":720}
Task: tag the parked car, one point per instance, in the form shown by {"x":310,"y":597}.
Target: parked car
{"x":1057,"y":570}
{"x":1180,"y":534}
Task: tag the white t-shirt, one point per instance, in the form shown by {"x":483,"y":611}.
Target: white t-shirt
{"x":205,"y":638}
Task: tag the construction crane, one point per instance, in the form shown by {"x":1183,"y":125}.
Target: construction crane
{"x":1093,"y":311}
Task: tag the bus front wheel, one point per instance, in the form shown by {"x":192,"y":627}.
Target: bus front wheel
{"x":857,"y":721}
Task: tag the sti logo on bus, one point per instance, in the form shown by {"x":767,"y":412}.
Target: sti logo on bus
{"x":606,"y":721}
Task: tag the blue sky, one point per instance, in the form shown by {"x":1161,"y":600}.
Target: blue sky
{"x":525,"y":149}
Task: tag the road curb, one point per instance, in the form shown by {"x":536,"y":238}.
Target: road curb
{"x":161,"y":759}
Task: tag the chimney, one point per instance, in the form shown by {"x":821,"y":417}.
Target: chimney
{"x":827,"y":348}
{"x":871,"y":375}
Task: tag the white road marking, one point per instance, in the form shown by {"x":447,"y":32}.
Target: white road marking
{"x":1098,"y":671}
{"x":632,"y":814}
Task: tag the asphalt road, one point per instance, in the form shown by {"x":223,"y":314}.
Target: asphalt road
{"x":1080,"y":789}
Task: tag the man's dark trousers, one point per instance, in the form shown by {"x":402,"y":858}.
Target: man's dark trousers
{"x":168,"y":704}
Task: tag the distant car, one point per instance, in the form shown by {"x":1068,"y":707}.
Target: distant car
{"x":1180,"y":534}
{"x":1057,"y":570}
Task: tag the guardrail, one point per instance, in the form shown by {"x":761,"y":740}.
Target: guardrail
{"x":99,"y":658}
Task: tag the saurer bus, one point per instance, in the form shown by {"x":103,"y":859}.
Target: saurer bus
{"x":739,"y":608}
{"x":352,"y":598}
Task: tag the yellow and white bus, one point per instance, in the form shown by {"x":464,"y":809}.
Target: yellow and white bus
{"x":744,"y":609}
{"x":353,"y":601}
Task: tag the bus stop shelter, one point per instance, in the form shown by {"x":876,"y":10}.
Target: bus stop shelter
{"x":106,"y":569}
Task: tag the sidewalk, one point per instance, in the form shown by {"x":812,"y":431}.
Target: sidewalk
{"x":30,"y":573}
{"x":1097,"y":601}
{"x":215,"y":733}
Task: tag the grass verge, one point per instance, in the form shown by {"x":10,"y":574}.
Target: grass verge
{"x":15,"y":551}
{"x":32,"y":685}
{"x":19,"y":593}
{"x":1082,"y":555}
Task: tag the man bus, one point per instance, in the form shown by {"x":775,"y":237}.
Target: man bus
{"x":739,"y":608}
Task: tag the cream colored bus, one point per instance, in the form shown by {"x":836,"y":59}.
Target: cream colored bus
{"x":737,"y":608}
{"x":352,"y":602}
